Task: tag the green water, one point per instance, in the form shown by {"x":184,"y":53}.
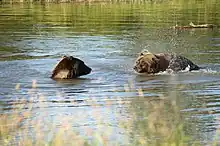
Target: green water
{"x":130,"y":108}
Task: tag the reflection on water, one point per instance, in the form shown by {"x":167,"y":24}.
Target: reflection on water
{"x":108,"y":37}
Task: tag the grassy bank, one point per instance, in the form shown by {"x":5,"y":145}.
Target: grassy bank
{"x":112,"y":17}
{"x":73,"y":1}
{"x":114,"y":1}
{"x":67,"y":1}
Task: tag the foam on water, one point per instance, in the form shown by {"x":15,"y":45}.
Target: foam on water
{"x":204,"y":70}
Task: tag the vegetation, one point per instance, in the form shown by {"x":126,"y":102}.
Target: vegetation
{"x":161,"y":124}
{"x":65,"y":1}
{"x":112,"y":16}
{"x":50,"y":20}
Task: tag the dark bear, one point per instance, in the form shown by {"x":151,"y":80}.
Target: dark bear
{"x":153,"y":63}
{"x":69,"y":67}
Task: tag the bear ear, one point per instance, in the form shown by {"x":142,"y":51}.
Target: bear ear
{"x":75,"y":68}
{"x":156,"y":59}
{"x":71,"y":58}
{"x":157,"y":56}
{"x":144,"y":52}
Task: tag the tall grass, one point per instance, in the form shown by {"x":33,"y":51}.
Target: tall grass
{"x":161,"y":121}
{"x":65,"y":1}
{"x":89,"y":1}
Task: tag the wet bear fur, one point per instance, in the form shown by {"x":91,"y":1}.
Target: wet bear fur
{"x":150,"y":63}
{"x":69,"y":67}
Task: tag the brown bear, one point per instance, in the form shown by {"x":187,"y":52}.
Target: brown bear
{"x":150,"y":63}
{"x":69,"y":67}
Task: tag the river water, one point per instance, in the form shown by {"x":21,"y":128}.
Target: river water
{"x":113,"y":101}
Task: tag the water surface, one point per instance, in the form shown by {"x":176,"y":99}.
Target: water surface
{"x":108,"y":38}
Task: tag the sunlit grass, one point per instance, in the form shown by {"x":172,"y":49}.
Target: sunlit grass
{"x":161,"y":123}
{"x":131,"y":1}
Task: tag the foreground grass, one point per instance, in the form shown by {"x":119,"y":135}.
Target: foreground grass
{"x":161,"y":125}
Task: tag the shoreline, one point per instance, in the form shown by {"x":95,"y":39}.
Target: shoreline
{"x":71,"y":1}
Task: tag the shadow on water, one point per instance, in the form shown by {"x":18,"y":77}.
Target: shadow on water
{"x":113,"y":101}
{"x":71,"y":81}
